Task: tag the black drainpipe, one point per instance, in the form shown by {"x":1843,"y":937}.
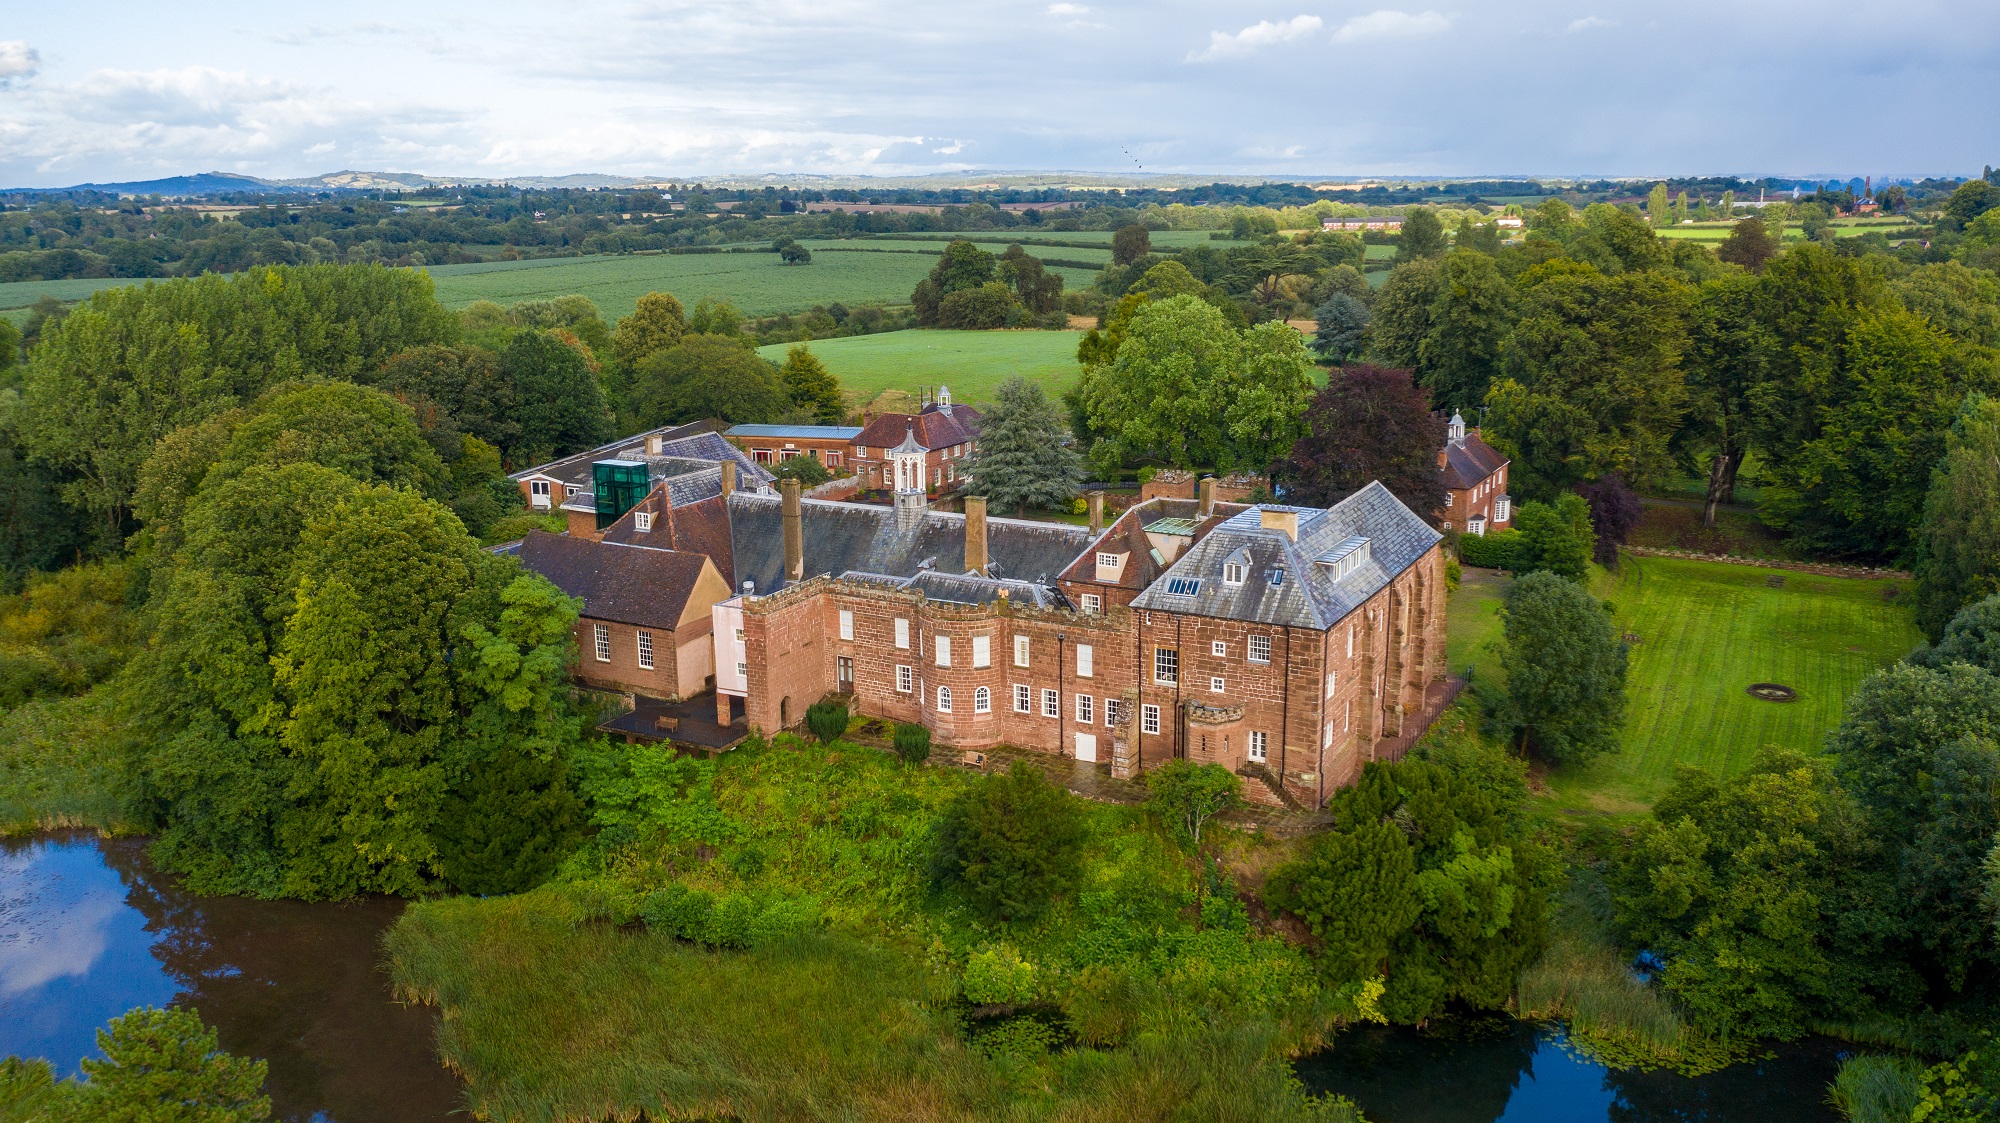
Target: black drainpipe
{"x":1285,"y":709}
{"x":1180,"y":669}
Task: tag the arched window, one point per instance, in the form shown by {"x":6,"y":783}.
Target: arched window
{"x":944,"y":699}
{"x":982,"y":701}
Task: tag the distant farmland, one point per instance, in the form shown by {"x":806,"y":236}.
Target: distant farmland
{"x":972,"y":363}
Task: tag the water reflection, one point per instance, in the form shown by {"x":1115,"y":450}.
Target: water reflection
{"x":1510,"y":1072}
{"x":88,"y":930}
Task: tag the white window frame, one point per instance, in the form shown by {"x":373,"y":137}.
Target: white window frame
{"x":903,"y":633}
{"x":1350,"y":641}
{"x":943,"y":652}
{"x":1217,"y":685}
{"x":1149,"y":719}
{"x":944,"y":699}
{"x":846,"y":623}
{"x":1166,"y":665}
{"x":982,"y":700}
{"x":1112,"y":708}
{"x":1260,"y":746}
{"x":1332,"y":683}
{"x":600,"y":635}
{"x":1093,"y":603}
{"x":906,"y":678}
{"x":982,"y":652}
{"x":538,"y":494}
{"x":1258,"y":649}
{"x":645,"y":646}
{"x":1219,"y":648}
{"x":1107,"y":561}
{"x":1233,"y":573}
{"x":1020,"y":651}
{"x":642,"y":522}
{"x":742,"y":670}
{"x":1086,"y":661}
{"x":1086,"y":710}
{"x":1024,"y":698}
{"x":1051,"y":703}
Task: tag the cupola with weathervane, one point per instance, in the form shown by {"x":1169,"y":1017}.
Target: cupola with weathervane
{"x":907,"y":460}
{"x":1455,"y":431}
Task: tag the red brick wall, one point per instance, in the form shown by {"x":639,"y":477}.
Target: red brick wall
{"x":1464,"y":506}
{"x":623,"y":672}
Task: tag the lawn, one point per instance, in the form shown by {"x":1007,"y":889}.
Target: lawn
{"x":972,"y":363}
{"x":1707,"y":630}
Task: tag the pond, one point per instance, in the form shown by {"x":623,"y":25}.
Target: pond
{"x":89,"y":930}
{"x":1519,"y":1072}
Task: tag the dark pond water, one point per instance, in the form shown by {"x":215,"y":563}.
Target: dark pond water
{"x":88,"y":930}
{"x":1521,"y":1073}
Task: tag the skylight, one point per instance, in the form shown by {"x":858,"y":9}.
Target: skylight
{"x":1183,"y":586}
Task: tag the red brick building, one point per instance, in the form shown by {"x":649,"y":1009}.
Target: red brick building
{"x":1475,"y":482}
{"x":646,"y":612}
{"x":945,"y":433}
{"x":831,"y":445}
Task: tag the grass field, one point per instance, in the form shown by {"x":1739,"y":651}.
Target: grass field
{"x":972,"y":363}
{"x":1706,"y":631}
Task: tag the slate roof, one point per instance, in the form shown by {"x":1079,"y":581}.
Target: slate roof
{"x":619,"y":583}
{"x":1308,"y":596}
{"x":688,"y":449}
{"x":934,"y":429}
{"x":843,"y":537}
{"x":698,"y":526}
{"x":796,"y":432}
{"x":966,"y":588}
{"x":1468,"y":462}
{"x":1127,"y":535}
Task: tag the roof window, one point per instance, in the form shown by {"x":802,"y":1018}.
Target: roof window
{"x":1183,"y":586}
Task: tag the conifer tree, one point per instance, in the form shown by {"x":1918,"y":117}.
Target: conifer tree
{"x":811,"y":386}
{"x":1022,"y":459}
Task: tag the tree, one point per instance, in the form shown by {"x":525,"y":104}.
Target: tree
{"x":1037,"y":289}
{"x":466,"y":383}
{"x":1959,"y":538}
{"x":1428,"y":880}
{"x":805,"y":469}
{"x":1728,"y":353}
{"x":1368,"y":423}
{"x":1972,"y":637}
{"x":1162,"y":396}
{"x":1557,"y":538}
{"x":1748,"y":245}
{"x":1656,"y":205}
{"x":1446,"y":320}
{"x":1130,"y":243}
{"x":962,"y":266}
{"x":977,"y":309}
{"x":1185,"y":796}
{"x":791,"y":253}
{"x":1012,"y":842}
{"x":827,"y":720}
{"x":1422,"y":235}
{"x":1268,"y":396}
{"x":1614,"y":513}
{"x":810,"y":386}
{"x":114,"y":375}
{"x":165,"y":1066}
{"x":657,"y":323}
{"x":1341,"y":331}
{"x":1023,"y":460}
{"x":1565,"y":670}
{"x":1973,"y":198}
{"x":557,"y":400}
{"x":707,"y":376}
{"x":361,"y":433}
{"x":575,"y":314}
{"x":1594,"y":381}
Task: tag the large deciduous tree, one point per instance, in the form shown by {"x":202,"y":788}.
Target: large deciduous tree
{"x":1367,"y":423}
{"x":1445,"y":319}
{"x":1161,"y":396}
{"x":1594,"y":381}
{"x":810,"y":386}
{"x":1958,"y":543}
{"x":558,"y":402}
{"x":1565,"y":670}
{"x":962,"y":267}
{"x":1267,"y":397}
{"x":1130,"y":243}
{"x":1422,"y":235}
{"x":708,"y":376}
{"x":1748,"y":245}
{"x":1022,"y":459}
{"x":656,"y":323}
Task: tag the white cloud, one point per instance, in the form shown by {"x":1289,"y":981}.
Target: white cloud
{"x":1068,"y":10}
{"x":1588,"y":22}
{"x":1387,"y":23}
{"x":17,"y":60}
{"x":1263,"y":33}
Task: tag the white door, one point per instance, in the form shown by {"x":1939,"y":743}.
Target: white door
{"x":1086,"y":747}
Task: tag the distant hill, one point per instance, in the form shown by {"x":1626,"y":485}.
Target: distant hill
{"x":207,"y":183}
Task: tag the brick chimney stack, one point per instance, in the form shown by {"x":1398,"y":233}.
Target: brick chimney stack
{"x":1096,"y":513}
{"x":728,"y":478}
{"x":975,"y":534}
{"x":795,"y":540}
{"x":1207,"y":496}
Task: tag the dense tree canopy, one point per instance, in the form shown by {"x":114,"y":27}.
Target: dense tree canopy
{"x":1367,"y":423}
{"x":1566,"y":668}
{"x":657,"y":323}
{"x":1023,"y":459}
{"x":1959,"y":539}
{"x":810,"y":387}
{"x":1445,"y":318}
{"x":708,"y":376}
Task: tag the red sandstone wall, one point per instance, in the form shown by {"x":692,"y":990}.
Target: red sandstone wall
{"x":623,"y":672}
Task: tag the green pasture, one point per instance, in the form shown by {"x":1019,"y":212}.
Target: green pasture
{"x":972,"y":363}
{"x":1706,"y":631}
{"x":18,"y":295}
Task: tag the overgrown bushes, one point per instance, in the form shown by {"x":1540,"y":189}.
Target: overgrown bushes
{"x":1499,"y":550}
{"x":913,"y":743}
{"x":733,"y":920}
{"x":827,"y":720}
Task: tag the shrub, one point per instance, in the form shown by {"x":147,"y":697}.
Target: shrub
{"x":736,"y":919}
{"x":805,"y":469}
{"x":999,"y":976}
{"x":1013,"y":842}
{"x":1877,"y":1089}
{"x":913,"y":743}
{"x":1491,"y":551}
{"x":827,"y":720}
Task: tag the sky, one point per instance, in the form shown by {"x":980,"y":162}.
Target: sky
{"x":98,"y":91}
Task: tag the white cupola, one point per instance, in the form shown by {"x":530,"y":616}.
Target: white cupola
{"x":908,"y":461}
{"x":1455,"y":431}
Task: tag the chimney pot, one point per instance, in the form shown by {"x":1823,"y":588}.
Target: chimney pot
{"x":795,"y":545}
{"x":1096,"y":513}
{"x":975,"y":534}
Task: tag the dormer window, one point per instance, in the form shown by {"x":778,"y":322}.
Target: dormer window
{"x":1345,"y":558}
{"x":642,"y":521}
{"x":1233,"y":573}
{"x":1110,"y":566}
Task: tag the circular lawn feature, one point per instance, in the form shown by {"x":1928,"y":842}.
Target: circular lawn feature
{"x":1772,"y":692}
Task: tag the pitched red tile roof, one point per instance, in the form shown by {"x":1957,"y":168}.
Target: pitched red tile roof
{"x":622,"y":584}
{"x":934,"y":429}
{"x":1468,"y":462}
